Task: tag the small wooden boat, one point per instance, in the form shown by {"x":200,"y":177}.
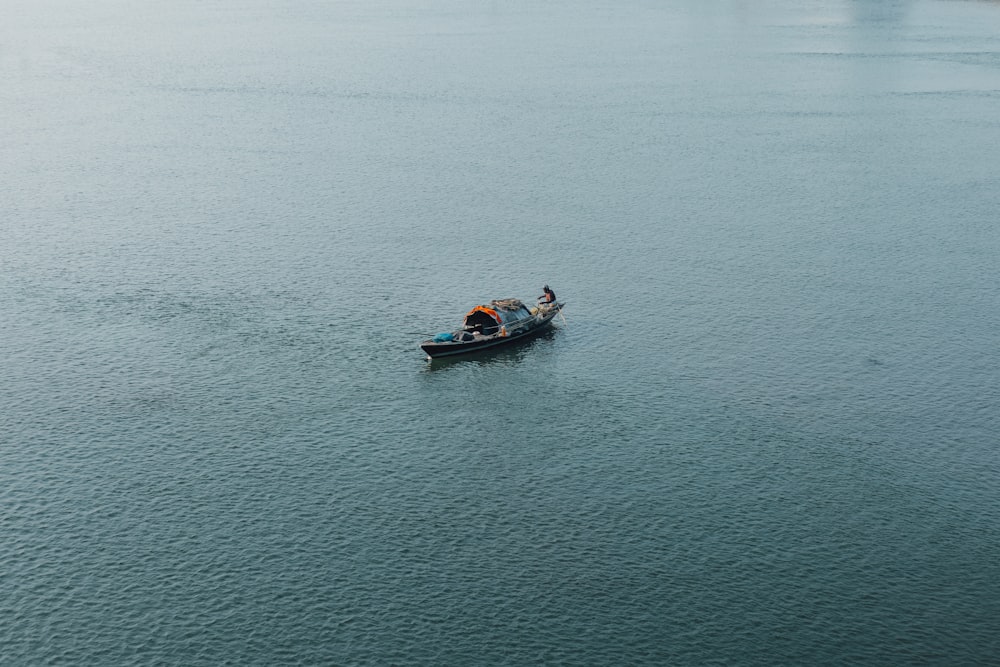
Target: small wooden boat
{"x":502,"y":322}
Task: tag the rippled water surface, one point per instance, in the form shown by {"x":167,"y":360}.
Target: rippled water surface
{"x":767,"y":432}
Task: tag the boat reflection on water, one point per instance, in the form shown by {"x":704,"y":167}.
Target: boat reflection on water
{"x":503,"y":356}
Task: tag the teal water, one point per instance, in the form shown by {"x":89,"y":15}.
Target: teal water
{"x":766,"y":434}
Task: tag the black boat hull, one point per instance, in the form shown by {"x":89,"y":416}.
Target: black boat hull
{"x":451,"y":348}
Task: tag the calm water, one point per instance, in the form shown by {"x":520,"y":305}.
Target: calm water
{"x":767,"y":433}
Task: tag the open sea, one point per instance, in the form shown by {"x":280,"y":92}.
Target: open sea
{"x":767,"y":432}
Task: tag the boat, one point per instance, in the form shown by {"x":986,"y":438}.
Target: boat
{"x":502,"y":322}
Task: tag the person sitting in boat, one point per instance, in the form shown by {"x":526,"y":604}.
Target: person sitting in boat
{"x":548,"y":297}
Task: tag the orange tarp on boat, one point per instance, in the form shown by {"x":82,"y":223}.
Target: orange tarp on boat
{"x":489,"y":311}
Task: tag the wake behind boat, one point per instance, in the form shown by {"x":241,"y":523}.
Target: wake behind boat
{"x":502,"y":322}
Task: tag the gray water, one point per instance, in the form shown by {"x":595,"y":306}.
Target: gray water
{"x":766,"y":433}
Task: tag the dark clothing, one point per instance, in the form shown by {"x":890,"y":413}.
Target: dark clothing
{"x":548,"y":297}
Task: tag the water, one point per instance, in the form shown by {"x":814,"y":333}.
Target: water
{"x":766,"y":434}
